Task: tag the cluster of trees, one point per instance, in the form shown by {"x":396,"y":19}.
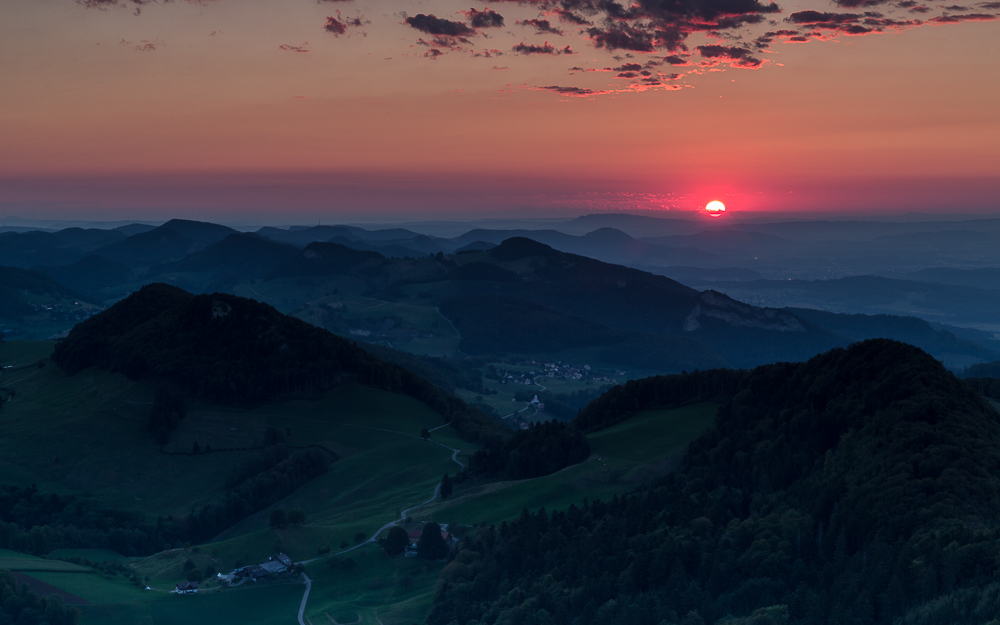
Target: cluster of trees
{"x":430,"y":546}
{"x":38,"y":523}
{"x":541,"y":449}
{"x":988,"y":387}
{"x":236,"y":351}
{"x":194,"y":574}
{"x":110,"y":569}
{"x":395,"y":542}
{"x":658,"y":392}
{"x":258,"y":492}
{"x":857,"y":487}
{"x":166,"y":414}
{"x":21,"y":605}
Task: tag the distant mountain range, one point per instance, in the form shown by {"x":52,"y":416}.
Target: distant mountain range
{"x":594,"y":291}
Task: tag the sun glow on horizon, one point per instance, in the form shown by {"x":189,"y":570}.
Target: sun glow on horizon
{"x":715,"y":208}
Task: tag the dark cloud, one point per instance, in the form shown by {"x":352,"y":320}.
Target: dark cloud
{"x":573,"y":91}
{"x":628,"y":67}
{"x":990,"y":5}
{"x":433,"y":54}
{"x":649,"y":25}
{"x":335,"y":26}
{"x":483,"y":19}
{"x":486,"y":54}
{"x":436,"y":26}
{"x":853,"y":24}
{"x":338,"y":25}
{"x":546,"y":48}
{"x":541,"y":26}
{"x":816,"y":17}
{"x":622,"y":37}
{"x":289,"y":48}
{"x":738,"y":57}
{"x":569,"y":17}
{"x":954,"y":19}
{"x":673,"y":59}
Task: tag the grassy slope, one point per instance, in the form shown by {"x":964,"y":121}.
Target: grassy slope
{"x":378,"y":590}
{"x":255,"y":605}
{"x":384,"y":468}
{"x":625,"y":455}
{"x":86,"y":434}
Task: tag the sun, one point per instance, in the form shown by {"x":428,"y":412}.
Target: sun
{"x":715,"y":208}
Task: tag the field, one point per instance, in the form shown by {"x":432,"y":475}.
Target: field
{"x":262,"y":604}
{"x":624,"y":456}
{"x":374,"y":589}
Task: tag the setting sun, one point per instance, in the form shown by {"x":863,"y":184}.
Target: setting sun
{"x":715,"y":208}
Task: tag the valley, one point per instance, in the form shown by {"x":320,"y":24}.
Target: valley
{"x":224,"y":397}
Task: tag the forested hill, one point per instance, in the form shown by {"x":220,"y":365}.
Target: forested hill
{"x":862,"y":486}
{"x":232,"y":350}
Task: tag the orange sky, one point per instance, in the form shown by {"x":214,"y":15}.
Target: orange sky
{"x":196,"y":106}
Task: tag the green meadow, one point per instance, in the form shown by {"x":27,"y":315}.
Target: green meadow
{"x":624,"y":456}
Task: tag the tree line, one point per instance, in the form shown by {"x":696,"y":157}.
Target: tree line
{"x":38,"y":523}
{"x":22,"y":606}
{"x":541,"y":449}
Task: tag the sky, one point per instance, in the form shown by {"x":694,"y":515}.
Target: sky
{"x":287,"y":110}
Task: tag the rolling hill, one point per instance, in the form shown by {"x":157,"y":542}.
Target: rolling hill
{"x":856,"y":487}
{"x":235,"y":351}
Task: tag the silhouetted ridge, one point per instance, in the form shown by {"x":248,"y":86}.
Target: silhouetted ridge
{"x":247,"y":254}
{"x":325,"y":258}
{"x":232,"y":350}
{"x":516,"y":248}
{"x":202,"y":232}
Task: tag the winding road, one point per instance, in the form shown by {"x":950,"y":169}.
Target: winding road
{"x":403,"y":514}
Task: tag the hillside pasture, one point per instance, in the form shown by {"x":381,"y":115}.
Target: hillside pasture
{"x":624,"y":456}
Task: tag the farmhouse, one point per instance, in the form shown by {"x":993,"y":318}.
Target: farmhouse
{"x":275,"y":565}
{"x":186,"y":588}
